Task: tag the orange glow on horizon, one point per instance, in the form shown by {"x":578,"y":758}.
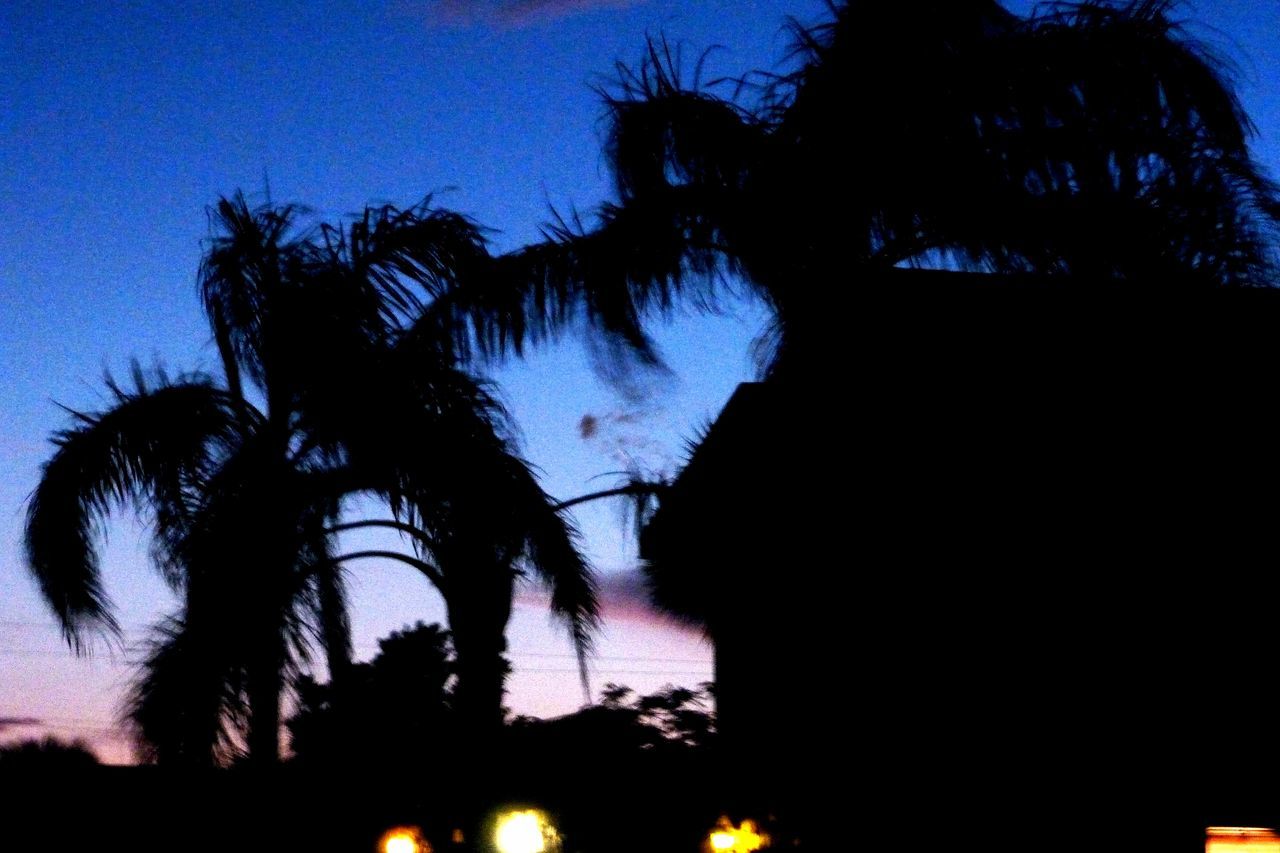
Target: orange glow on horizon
{"x":1241,"y":839}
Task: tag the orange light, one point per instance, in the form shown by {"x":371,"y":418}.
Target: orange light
{"x":403,"y":839}
{"x":1241,"y":839}
{"x":727,"y":838}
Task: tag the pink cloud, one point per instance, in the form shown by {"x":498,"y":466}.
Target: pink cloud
{"x":623,"y":596}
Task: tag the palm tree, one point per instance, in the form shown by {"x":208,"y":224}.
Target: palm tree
{"x":323,"y":398}
{"x":1091,"y":144}
{"x":1092,"y":147}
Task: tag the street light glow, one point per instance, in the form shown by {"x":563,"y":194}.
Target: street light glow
{"x":403,"y":839}
{"x":722,"y":840}
{"x":526,"y":831}
{"x":727,"y":838}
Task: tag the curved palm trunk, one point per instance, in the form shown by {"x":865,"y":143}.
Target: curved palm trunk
{"x":479,"y":607}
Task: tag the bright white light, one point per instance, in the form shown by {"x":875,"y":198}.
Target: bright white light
{"x":524,"y":832}
{"x":400,"y":844}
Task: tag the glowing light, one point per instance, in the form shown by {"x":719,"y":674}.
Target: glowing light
{"x":727,"y":838}
{"x":526,"y":832}
{"x":403,"y":839}
{"x":722,"y":840}
{"x":1241,"y":839}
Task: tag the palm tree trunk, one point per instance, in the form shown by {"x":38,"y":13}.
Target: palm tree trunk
{"x":264,"y":683}
{"x":270,"y":585}
{"x":479,"y":606}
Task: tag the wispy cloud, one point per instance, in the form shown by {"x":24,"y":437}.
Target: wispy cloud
{"x":623,"y":596}
{"x":514,"y":13}
{"x":7,"y":723}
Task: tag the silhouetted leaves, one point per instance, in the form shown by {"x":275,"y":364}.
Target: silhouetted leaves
{"x":47,"y":755}
{"x":1096,"y":142}
{"x":392,"y":712}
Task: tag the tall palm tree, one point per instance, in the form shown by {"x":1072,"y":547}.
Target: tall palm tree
{"x":245,"y":482}
{"x":1093,"y":144}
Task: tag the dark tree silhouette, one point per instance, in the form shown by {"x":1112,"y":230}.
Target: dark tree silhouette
{"x":671,"y":718}
{"x":394,"y":711}
{"x":324,"y":398}
{"x":45,"y":756}
{"x":1094,"y":144}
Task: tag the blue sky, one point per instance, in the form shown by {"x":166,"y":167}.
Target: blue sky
{"x":120,"y":129}
{"x":121,"y":126}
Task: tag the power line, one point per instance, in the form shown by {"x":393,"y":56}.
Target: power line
{"x":594,"y":662}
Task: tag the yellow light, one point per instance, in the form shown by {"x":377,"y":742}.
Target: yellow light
{"x":1241,"y":839}
{"x":727,"y":838}
{"x":722,"y":840}
{"x":526,"y":832}
{"x":403,"y":839}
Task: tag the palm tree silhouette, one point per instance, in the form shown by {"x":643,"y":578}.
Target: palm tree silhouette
{"x":325,"y":397}
{"x":920,"y":155}
{"x":1090,"y":145}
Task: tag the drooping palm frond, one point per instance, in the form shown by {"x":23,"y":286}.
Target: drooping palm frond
{"x":187,"y":705}
{"x":1098,"y":142}
{"x":667,"y":131}
{"x":553,"y":556}
{"x":680,"y":157}
{"x":405,"y":254}
{"x":146,"y":450}
{"x":1120,"y":118}
{"x":640,"y":261}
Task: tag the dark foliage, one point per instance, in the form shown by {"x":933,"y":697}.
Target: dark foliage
{"x":1096,"y":143}
{"x":392,"y":712}
{"x":47,"y":755}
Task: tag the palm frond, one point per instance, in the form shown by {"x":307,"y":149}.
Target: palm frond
{"x":146,"y":450}
{"x":187,"y":704}
{"x":552,"y":554}
{"x":242,"y":272}
{"x":406,"y":254}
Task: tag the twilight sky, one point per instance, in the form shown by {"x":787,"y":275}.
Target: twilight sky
{"x":118,"y":128}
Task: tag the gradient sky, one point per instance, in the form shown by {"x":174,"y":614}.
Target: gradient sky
{"x":120,"y":127}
